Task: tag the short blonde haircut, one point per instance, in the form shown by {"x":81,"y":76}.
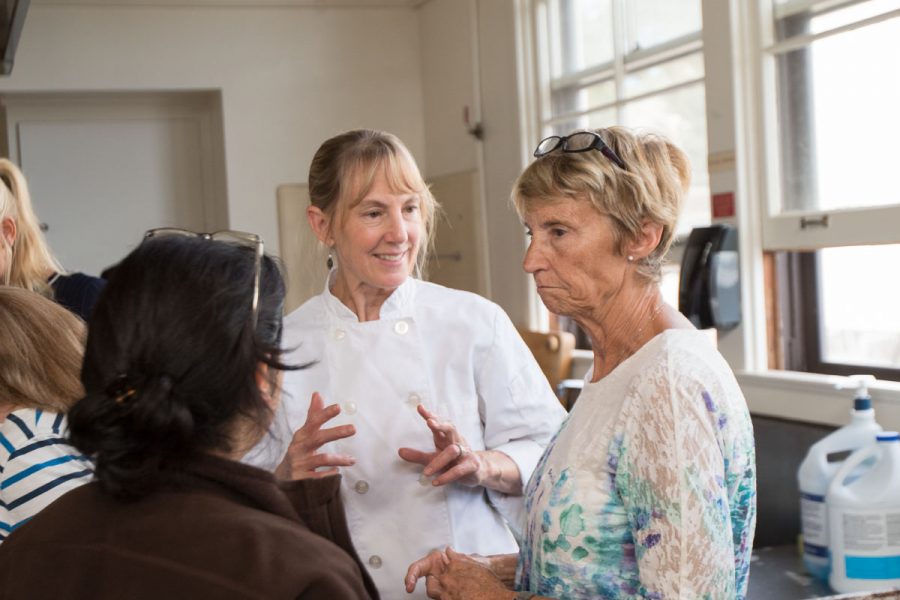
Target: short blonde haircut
{"x":345,"y":167}
{"x":30,"y":261}
{"x":41,"y":350}
{"x":650,"y":188}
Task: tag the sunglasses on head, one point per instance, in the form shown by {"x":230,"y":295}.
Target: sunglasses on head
{"x":240,"y":238}
{"x":581,"y":141}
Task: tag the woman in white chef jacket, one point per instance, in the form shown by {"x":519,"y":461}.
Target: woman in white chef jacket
{"x":391,"y":353}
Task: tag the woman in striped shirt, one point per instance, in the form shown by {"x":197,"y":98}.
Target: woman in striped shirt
{"x":40,"y":361}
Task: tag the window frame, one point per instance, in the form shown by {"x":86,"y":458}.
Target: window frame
{"x":615,"y":70}
{"x":543,"y":84}
{"x":794,"y":236}
{"x":801,"y":329}
{"x":809,"y":229}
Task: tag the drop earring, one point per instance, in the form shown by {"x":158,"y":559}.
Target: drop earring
{"x":329,"y":262}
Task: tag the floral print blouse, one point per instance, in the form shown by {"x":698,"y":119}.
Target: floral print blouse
{"x":649,"y":488}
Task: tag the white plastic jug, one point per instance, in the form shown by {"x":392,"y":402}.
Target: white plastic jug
{"x":864,"y":519}
{"x":822,"y":462}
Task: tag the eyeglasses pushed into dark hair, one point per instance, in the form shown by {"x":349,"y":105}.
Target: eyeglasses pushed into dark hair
{"x":581,"y":141}
{"x":240,"y":238}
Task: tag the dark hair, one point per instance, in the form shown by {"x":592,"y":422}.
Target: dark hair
{"x":172,"y":358}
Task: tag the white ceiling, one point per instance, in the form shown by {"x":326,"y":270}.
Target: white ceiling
{"x":245,"y":3}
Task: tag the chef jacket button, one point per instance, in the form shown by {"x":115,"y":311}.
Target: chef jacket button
{"x":349,"y":408}
{"x":375,"y":561}
{"x":339,"y":334}
{"x":361,"y":487}
{"x":414,"y":399}
{"x":423,"y":480}
{"x":401,"y":327}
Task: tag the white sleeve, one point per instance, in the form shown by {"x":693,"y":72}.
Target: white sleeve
{"x":519,"y":411}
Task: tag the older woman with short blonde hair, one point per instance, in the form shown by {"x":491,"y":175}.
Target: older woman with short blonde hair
{"x":648,"y":490}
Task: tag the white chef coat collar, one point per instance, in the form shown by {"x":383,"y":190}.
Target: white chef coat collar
{"x":398,"y":304}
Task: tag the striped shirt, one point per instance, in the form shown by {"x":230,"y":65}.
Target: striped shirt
{"x":37,"y":465}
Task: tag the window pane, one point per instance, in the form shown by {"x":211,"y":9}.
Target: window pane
{"x":569,"y":125}
{"x":663,"y":75}
{"x":837,"y":120}
{"x":794,"y":18}
{"x":681,"y":116}
{"x":653,"y":22}
{"x":859,"y":296}
{"x":576,"y":99}
{"x":583,"y":34}
{"x":602,"y":118}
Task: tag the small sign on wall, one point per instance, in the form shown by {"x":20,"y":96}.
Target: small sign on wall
{"x":723,"y":205}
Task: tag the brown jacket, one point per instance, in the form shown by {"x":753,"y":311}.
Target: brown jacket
{"x":229,"y":531}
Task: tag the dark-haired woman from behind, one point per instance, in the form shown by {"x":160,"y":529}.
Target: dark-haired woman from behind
{"x":182,"y":373}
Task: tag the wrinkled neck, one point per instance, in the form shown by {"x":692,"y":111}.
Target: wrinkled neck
{"x":621,"y":327}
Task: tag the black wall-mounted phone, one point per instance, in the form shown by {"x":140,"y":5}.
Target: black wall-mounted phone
{"x":710,"y":286}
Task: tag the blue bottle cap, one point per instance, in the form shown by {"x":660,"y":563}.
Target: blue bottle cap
{"x":862,"y":403}
{"x":888,"y":436}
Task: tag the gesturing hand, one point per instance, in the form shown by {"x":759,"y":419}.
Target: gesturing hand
{"x":303,"y":456}
{"x":452,"y":457}
{"x":450,"y":575}
{"x":430,"y":567}
{"x":468,"y":578}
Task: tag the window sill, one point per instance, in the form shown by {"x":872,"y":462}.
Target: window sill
{"x":814,"y":398}
{"x":808,"y":397}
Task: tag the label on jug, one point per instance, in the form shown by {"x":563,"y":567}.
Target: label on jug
{"x":814,"y":524}
{"x":871,"y":544}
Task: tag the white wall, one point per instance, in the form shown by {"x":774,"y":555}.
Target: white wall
{"x":292,"y":76}
{"x":289,"y":78}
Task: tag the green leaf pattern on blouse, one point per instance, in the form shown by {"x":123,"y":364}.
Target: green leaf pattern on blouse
{"x":649,"y":488}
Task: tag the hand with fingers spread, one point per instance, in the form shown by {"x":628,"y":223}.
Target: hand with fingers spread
{"x":453,"y":461}
{"x":303,"y":457}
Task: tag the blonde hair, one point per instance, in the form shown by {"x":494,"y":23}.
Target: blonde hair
{"x":29,"y":259}
{"x":345,"y":167}
{"x":41,"y":350}
{"x":651,"y":187}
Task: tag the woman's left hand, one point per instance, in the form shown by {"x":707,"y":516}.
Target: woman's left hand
{"x":467,"y":578}
{"x":452,"y":459}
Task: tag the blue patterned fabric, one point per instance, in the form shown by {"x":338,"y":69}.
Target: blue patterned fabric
{"x":649,"y":488}
{"x":37,"y":465}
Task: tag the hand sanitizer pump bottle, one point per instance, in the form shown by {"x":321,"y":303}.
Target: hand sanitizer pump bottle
{"x":822,"y":462}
